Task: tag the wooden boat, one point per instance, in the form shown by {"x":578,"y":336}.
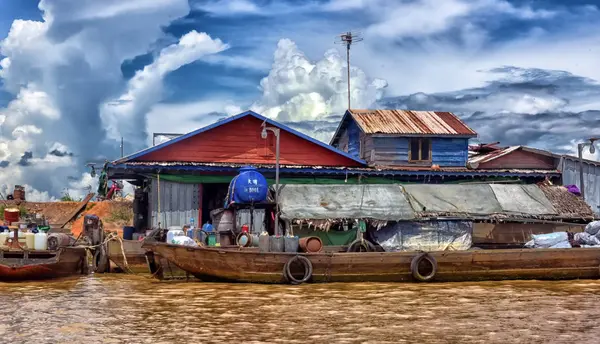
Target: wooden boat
{"x":136,"y":261}
{"x":22,"y":265}
{"x":242,"y":265}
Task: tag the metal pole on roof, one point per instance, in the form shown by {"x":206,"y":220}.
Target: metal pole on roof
{"x":121,"y":146}
{"x":263,"y":134}
{"x":348,"y":38}
{"x":580,"y":147}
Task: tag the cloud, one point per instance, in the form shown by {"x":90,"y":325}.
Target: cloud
{"x":547,"y":109}
{"x":186,"y":117}
{"x":297,"y":89}
{"x":62,"y":69}
{"x":124,"y":116}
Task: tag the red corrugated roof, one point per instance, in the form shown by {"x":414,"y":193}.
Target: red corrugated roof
{"x":410,"y":122}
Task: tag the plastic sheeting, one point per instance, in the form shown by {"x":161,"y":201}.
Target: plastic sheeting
{"x":480,"y":199}
{"x":321,"y":202}
{"x":425,"y":236}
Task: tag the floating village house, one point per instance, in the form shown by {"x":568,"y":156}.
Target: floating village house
{"x":188,"y":177}
{"x":402,"y":138}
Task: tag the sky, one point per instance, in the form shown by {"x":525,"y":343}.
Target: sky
{"x":77,"y":75}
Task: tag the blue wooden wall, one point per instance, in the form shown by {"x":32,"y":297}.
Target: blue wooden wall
{"x":353,"y":139}
{"x":449,"y":151}
{"x":444,"y":151}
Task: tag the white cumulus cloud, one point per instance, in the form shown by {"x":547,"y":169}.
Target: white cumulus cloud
{"x":297,"y":89}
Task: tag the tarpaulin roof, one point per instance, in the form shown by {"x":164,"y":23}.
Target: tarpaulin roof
{"x":480,"y":199}
{"x":321,"y":202}
{"x":406,"y":202}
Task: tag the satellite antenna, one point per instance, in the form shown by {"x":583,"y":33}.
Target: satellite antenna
{"x":349,"y":38}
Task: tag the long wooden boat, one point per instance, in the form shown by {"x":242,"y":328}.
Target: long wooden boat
{"x":23,"y":265}
{"x":240,"y":265}
{"x":137,"y":261}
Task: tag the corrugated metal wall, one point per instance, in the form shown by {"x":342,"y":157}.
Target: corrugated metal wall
{"x":178,"y":203}
{"x":243,"y":218}
{"x":591,"y":181}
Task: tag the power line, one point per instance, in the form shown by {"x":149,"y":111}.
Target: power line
{"x":349,"y":38}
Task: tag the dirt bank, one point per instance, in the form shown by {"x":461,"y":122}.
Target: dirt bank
{"x":114,"y":214}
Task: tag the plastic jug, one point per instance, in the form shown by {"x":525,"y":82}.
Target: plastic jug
{"x":3,"y":237}
{"x":172,"y":233}
{"x":29,"y":240}
{"x":41,"y":241}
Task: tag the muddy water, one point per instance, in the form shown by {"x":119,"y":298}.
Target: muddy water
{"x":129,"y":309}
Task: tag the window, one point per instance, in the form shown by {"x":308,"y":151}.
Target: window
{"x":419,"y":149}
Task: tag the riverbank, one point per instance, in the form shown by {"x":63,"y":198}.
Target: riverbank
{"x":114,"y":214}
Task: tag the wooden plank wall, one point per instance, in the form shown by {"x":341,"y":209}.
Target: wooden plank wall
{"x":240,"y":142}
{"x":393,"y":151}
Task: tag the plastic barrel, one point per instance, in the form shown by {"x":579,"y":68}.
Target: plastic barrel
{"x":57,"y":240}
{"x":247,"y":240}
{"x":311,"y":244}
{"x":276,"y":244}
{"x":11,"y":215}
{"x":291,"y":243}
{"x":128,"y":232}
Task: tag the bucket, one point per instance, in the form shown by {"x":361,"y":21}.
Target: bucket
{"x":291,"y":243}
{"x":247,"y":240}
{"x":276,"y":244}
{"x":212,"y":239}
{"x":311,"y":244}
{"x":263,"y":243}
{"x":11,"y":215}
{"x":128,"y":232}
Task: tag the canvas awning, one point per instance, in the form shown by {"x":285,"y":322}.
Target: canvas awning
{"x":407,"y":202}
{"x":322,"y":202}
{"x":480,"y":199}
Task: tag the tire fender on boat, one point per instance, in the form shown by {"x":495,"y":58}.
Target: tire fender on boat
{"x":414,"y":267}
{"x":308,"y":270}
{"x":356,"y":246}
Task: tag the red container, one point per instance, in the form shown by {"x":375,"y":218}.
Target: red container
{"x":245,"y":229}
{"x":11,"y":215}
{"x":311,"y":244}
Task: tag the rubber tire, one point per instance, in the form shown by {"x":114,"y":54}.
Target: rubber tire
{"x":308,"y":270}
{"x":414,"y":267}
{"x":357,"y":243}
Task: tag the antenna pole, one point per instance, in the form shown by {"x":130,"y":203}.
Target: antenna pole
{"x":348,"y":38}
{"x":348,"y":62}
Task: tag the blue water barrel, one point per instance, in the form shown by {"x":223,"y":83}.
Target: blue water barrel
{"x":128,"y":232}
{"x":248,"y":187}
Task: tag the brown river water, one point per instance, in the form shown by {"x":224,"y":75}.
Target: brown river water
{"x":135,"y":309}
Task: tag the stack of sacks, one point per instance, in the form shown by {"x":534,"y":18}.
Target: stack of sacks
{"x":550,"y":240}
{"x":590,"y":237}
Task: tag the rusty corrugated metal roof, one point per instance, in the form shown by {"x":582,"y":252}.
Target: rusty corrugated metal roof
{"x":410,"y":122}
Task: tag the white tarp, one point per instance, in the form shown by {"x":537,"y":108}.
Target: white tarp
{"x":480,"y":199}
{"x":527,"y":199}
{"x":425,"y":236}
{"x":453,"y":198}
{"x":321,"y":202}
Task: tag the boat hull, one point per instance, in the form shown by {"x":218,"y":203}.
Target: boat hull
{"x":15,"y":266}
{"x":213,"y":264}
{"x":136,"y":261}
